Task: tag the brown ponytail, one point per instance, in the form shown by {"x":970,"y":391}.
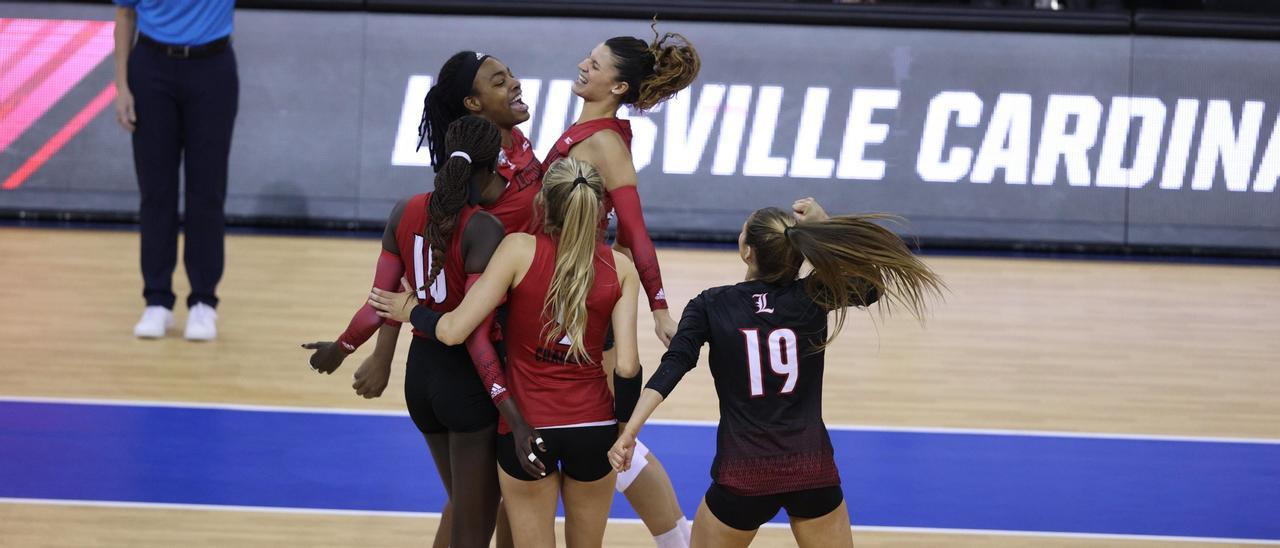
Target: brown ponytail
{"x":571,"y":196}
{"x":479,"y":140}
{"x":654,"y":72}
{"x":849,"y":255}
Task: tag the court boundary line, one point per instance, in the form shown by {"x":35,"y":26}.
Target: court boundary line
{"x":666,"y":422}
{"x":436,"y":515}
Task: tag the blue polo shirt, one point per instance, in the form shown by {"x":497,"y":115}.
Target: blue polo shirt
{"x":183,"y":22}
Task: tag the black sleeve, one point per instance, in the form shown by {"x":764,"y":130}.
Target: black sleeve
{"x":480,"y":239}
{"x":685,"y":347}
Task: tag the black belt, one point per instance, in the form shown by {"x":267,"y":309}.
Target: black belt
{"x":187,"y":52}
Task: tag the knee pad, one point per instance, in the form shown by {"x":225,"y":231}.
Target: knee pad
{"x":638,"y":462}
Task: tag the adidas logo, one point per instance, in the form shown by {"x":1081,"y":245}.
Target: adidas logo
{"x":662,"y":294}
{"x":495,"y":390}
{"x":347,"y":346}
{"x":566,"y":341}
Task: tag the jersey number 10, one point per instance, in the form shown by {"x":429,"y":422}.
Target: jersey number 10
{"x":782,"y":359}
{"x":439,"y":291}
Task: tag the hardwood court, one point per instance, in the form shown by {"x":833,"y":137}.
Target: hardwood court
{"x":1083,"y":346}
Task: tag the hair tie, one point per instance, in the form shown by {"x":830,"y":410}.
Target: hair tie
{"x":786,"y":231}
{"x":461,"y":154}
{"x":580,"y":181}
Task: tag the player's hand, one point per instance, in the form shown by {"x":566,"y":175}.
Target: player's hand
{"x":327,"y":356}
{"x":372,"y":376}
{"x":808,"y":210}
{"x":126,"y":116}
{"x":664,"y":326}
{"x":526,"y":438}
{"x":620,"y":453}
{"x":396,"y":306}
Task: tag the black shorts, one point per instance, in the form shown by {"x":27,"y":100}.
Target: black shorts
{"x":582,"y":453}
{"x":443,"y":391}
{"x":748,"y":513}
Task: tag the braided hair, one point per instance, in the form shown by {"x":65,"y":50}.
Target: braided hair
{"x":443,"y":103}
{"x":473,"y":144}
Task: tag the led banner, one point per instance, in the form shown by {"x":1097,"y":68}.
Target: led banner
{"x":969,"y":135}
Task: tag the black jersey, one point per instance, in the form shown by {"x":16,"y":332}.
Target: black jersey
{"x":767,"y":362}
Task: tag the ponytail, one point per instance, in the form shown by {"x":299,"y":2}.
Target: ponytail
{"x":656,"y":71}
{"x":571,"y":196}
{"x":472,"y":143}
{"x":850,"y":255}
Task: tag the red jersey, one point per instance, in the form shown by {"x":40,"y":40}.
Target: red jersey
{"x":445,"y":293}
{"x":632,"y":233}
{"x":520,"y":167}
{"x":578,"y":133}
{"x":552,"y":391}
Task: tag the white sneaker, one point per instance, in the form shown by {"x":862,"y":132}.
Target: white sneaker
{"x":202,"y":323}
{"x":155,"y":320}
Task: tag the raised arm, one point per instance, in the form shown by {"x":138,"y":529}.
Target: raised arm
{"x":808,"y":210}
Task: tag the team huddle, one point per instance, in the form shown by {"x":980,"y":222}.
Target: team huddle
{"x":524,"y":372}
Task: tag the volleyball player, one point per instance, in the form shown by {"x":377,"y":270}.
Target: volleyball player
{"x":440,"y":238}
{"x":627,"y":71}
{"x":767,"y":336}
{"x":479,"y":84}
{"x":566,"y":287}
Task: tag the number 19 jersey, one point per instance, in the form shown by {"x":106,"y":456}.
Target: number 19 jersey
{"x":767,"y":363}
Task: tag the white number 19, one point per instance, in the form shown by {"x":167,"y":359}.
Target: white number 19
{"x":782,"y":359}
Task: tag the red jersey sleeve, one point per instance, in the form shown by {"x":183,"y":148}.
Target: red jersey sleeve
{"x":386,"y":277}
{"x":485,"y":357}
{"x":633,"y":235}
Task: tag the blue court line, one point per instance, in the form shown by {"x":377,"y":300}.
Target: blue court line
{"x":378,"y":462}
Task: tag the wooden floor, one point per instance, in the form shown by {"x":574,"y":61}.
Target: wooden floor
{"x":1082,"y":346}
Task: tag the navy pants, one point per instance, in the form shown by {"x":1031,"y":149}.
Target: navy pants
{"x":186,"y":110}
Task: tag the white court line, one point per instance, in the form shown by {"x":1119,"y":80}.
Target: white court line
{"x":436,"y":515}
{"x":669,"y":422}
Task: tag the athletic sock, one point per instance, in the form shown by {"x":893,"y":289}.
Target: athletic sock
{"x":675,"y":538}
{"x":686,"y":529}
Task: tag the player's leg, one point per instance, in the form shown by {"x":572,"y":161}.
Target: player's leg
{"x":710,"y":532}
{"x":648,"y":487}
{"x":444,"y":530}
{"x":819,"y":517}
{"x":649,"y":491}
{"x":588,"y":483}
{"x":531,"y":507}
{"x":586,"y":510}
{"x":829,"y":530}
{"x":460,"y":400}
{"x":475,"y":501}
{"x":502,"y":531}
{"x":418,"y":383}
